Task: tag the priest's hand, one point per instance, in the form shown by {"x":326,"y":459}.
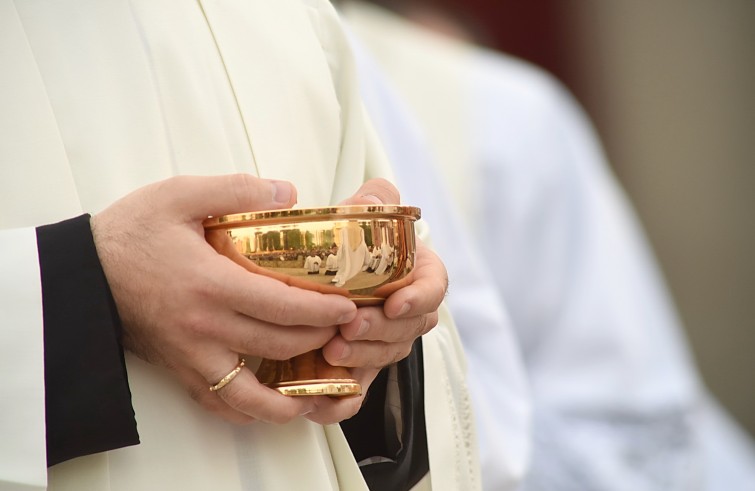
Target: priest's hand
{"x":380,"y":336}
{"x":190,"y":309}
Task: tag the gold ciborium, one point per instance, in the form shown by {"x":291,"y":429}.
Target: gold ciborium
{"x":362,"y":252}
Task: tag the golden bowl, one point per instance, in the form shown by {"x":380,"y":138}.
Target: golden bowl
{"x":364,"y":252}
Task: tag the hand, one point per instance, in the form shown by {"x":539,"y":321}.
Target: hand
{"x":192,"y":310}
{"x":380,"y":336}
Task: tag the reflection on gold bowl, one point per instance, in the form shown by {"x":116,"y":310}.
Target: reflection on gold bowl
{"x":362,"y":252}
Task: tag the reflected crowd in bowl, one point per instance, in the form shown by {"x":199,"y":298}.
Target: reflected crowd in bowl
{"x":363,"y":252}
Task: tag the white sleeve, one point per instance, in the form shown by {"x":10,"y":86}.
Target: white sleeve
{"x":493,"y":368}
{"x":617,"y":399}
{"x":22,"y":406}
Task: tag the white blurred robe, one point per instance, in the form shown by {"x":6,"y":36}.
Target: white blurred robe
{"x":617,"y":402}
{"x":99,"y":98}
{"x":497,"y":381}
{"x":351,"y":252}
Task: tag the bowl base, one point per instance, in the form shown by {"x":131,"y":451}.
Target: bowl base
{"x":319,"y":387}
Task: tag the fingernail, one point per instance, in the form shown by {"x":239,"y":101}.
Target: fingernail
{"x":372,"y":199}
{"x":282,"y":191}
{"x":363,"y":328}
{"x":345,"y":352}
{"x":345,"y":318}
{"x":404,"y":309}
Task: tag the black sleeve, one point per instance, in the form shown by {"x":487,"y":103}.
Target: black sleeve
{"x":396,"y":465}
{"x":87,"y":397}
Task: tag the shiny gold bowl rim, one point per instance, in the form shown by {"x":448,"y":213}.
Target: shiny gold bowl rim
{"x":342,"y":212}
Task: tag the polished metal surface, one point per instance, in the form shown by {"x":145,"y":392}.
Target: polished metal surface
{"x":362,"y":252}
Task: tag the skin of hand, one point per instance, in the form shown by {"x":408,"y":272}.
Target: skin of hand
{"x":380,"y":336}
{"x":185,"y":307}
{"x":190,"y":309}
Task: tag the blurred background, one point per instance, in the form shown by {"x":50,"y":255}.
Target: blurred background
{"x":669,"y":87}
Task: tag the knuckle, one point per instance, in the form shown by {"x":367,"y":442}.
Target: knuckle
{"x":285,"y":347}
{"x":423,"y":324}
{"x":400,"y":353}
{"x":194,"y":324}
{"x":244,"y":188}
{"x":250,"y":344}
{"x":233,"y":396}
{"x":282,"y":350}
{"x":431,"y":321}
{"x":205,"y":290}
{"x":420,"y":326}
{"x":256,"y":340}
{"x":279,"y":313}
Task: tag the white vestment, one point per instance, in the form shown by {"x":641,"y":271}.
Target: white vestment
{"x":497,"y":380}
{"x":617,"y":402}
{"x":312,"y":264}
{"x":351,"y":252}
{"x":100,"y":98}
{"x":331,"y":264}
{"x":386,"y":258}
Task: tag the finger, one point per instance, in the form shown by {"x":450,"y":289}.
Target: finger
{"x":244,"y":334}
{"x":251,"y":397}
{"x":374,"y":191}
{"x":272,"y":301}
{"x":371,"y":324}
{"x":429,"y":283}
{"x":330,"y":410}
{"x":239,"y":333}
{"x":198,"y":390}
{"x":246,"y":395}
{"x":372,"y":354}
{"x":199,"y":197}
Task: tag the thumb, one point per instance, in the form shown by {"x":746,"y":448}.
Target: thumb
{"x":375,"y":192}
{"x":198,"y":197}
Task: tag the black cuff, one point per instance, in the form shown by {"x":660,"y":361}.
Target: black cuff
{"x":87,"y":397}
{"x":403,"y":465}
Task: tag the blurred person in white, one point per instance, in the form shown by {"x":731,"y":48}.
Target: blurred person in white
{"x":616,"y":401}
{"x":153,"y":116}
{"x":312,"y":263}
{"x":496,"y":374}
